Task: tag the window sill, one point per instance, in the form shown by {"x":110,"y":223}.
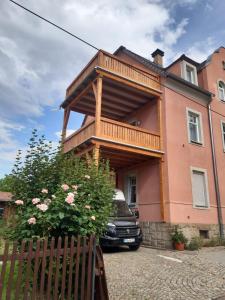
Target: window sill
{"x":196,"y":143}
{"x":201,"y":207}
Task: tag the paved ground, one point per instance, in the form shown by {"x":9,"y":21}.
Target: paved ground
{"x":164,"y":275}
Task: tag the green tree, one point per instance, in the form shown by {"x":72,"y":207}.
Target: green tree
{"x":6,"y":183}
{"x":40,"y":166}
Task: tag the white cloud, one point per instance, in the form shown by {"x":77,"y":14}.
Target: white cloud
{"x":68,"y":132}
{"x":199,"y":51}
{"x":8,"y":143}
{"x":38,"y":61}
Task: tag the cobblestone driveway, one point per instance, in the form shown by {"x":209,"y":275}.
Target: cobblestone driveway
{"x":151,"y":274}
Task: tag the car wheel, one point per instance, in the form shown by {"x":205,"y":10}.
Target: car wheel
{"x":134,"y":248}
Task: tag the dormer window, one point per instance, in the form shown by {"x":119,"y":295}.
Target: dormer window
{"x":189,"y":72}
{"x":221,"y":90}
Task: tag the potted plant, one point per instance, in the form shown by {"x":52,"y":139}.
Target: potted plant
{"x":178,"y":239}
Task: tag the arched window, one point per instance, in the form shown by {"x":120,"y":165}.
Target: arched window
{"x":221,"y":89}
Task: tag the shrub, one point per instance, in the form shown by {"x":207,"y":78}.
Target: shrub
{"x":39,"y":166}
{"x":195,"y":243}
{"x":178,"y":236}
{"x":215,"y":241}
{"x":59,"y":194}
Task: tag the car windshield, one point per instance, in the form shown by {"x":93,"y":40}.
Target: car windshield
{"x":121,"y":209}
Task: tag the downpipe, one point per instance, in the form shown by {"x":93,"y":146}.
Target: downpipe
{"x":218,"y":200}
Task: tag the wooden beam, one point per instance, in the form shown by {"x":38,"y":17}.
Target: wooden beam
{"x":84,"y":151}
{"x":96,"y":152}
{"x":161,"y":182}
{"x":81,"y":108}
{"x":98,"y":107}
{"x":160,"y":121}
{"x":122,"y":155}
{"x":126,"y":148}
{"x":110,"y":103}
{"x":65,"y":122}
{"x":127,"y":95}
{"x":120,"y":100}
{"x":105,"y":108}
{"x":80,"y":95}
{"x":128,"y":82}
{"x":95,"y":91}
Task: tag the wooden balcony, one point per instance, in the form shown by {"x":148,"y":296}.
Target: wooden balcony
{"x":110,"y":64}
{"x":115,"y":135}
{"x":110,"y":90}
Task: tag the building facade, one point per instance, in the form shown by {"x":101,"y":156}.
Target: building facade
{"x":163,"y":131}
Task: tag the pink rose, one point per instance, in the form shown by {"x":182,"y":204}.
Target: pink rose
{"x":32,"y":221}
{"x":70,"y":194}
{"x":88,"y":206}
{"x":65,"y":187}
{"x":75,"y":187}
{"x":19,"y":202}
{"x":93,"y":218}
{"x":87,"y":176}
{"x":44,"y":191}
{"x":43,"y":207}
{"x":70,"y":198}
{"x":35,"y":200}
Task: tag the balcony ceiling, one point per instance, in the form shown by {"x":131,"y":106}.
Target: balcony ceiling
{"x":120,"y":159}
{"x":118,"y":100}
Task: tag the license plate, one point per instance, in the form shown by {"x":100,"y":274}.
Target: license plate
{"x":129,"y":240}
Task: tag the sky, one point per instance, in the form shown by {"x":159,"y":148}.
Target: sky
{"x":38,"y":61}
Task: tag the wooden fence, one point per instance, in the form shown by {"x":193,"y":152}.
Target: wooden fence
{"x":68,"y":268}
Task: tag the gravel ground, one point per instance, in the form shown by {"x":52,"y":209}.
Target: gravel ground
{"x":163,"y":274}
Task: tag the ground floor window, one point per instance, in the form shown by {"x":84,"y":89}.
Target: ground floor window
{"x":200,"y":188}
{"x":223,"y":133}
{"x":132,"y":189}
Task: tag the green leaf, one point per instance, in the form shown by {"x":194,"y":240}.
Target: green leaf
{"x":61,"y":215}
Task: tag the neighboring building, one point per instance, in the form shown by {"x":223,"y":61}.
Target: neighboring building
{"x":5,"y":198}
{"x":163,"y":131}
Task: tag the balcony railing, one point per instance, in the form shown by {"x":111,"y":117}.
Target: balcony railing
{"x":112,"y":64}
{"x":115,"y":132}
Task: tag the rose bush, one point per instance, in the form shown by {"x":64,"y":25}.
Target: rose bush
{"x":77,"y":201}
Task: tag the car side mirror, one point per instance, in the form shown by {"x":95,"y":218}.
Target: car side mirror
{"x":136,"y":214}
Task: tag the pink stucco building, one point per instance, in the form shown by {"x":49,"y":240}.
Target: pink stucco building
{"x":163,"y":131}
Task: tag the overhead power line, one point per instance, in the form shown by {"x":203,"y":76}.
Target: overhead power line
{"x":92,"y":46}
{"x":55,"y":25}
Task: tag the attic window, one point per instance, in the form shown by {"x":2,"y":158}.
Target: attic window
{"x":223,"y":65}
{"x":189,"y":73}
{"x":221,"y":90}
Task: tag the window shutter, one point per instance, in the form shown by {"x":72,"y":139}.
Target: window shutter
{"x":199,"y":189}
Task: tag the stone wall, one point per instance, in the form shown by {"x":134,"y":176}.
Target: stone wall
{"x":158,"y":234}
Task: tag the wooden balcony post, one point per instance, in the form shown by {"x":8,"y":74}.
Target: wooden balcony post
{"x":65,"y":122}
{"x":98,"y":106}
{"x":161,"y":185}
{"x":96,"y":152}
{"x":160,"y":127}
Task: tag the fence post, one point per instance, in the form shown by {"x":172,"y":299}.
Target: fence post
{"x":93,"y":270}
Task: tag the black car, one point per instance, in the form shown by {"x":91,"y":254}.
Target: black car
{"x":123,"y":227}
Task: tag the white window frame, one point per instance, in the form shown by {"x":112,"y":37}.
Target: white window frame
{"x":223,"y":90}
{"x":184,"y":66}
{"x":127,"y":189}
{"x":204,"y":171}
{"x":200,"y":142}
{"x":223,"y":134}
